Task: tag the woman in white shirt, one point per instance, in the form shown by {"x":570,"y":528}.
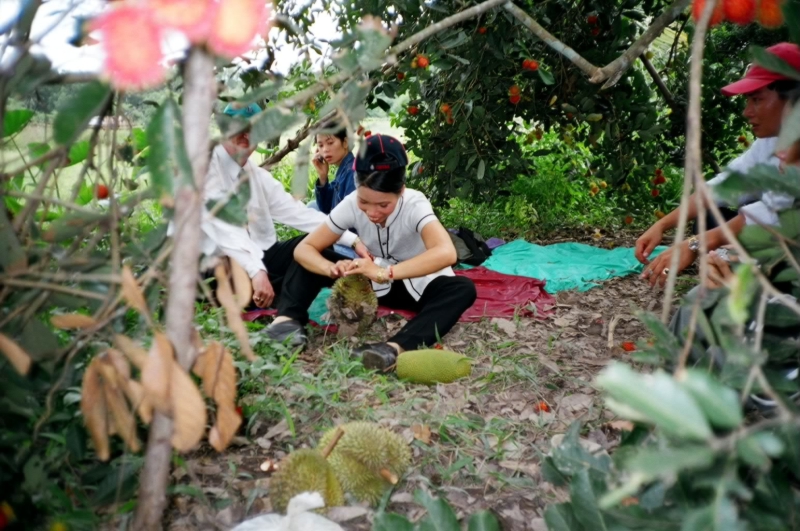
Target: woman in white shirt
{"x":413,"y":253}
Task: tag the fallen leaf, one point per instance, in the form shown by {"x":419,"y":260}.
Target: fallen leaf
{"x":422,"y":433}
{"x":188,"y":410}
{"x":576,"y":402}
{"x":93,"y":408}
{"x":345,"y":514}
{"x":233,"y":312}
{"x":277,"y":430}
{"x":72,"y":321}
{"x":531,"y":469}
{"x":15,"y":355}
{"x":135,"y":352}
{"x":132,"y":293}
{"x":242,"y":286}
{"x":505,"y":325}
{"x":156,"y":375}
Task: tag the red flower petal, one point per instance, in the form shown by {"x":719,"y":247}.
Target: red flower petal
{"x":236,"y":25}
{"x":193,"y":17}
{"x":132,"y":42}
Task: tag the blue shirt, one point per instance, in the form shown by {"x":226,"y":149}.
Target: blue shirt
{"x":344,"y":183}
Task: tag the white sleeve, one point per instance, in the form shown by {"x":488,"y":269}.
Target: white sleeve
{"x":759,"y":214}
{"x":761,"y":152}
{"x":342,"y":217}
{"x":421,"y":215}
{"x":287,"y":210}
{"x":226,"y":239}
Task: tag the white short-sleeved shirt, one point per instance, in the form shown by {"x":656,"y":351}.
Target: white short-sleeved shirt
{"x":761,"y":152}
{"x":399,"y":240}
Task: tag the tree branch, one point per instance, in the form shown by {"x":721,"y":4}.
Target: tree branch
{"x":290,"y":146}
{"x":585,"y":66}
{"x":198,"y":102}
{"x":612,"y":72}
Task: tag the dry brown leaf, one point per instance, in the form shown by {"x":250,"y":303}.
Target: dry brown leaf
{"x":132,"y":293}
{"x":15,"y":354}
{"x":93,"y":408}
{"x":199,"y":366}
{"x":188,"y":410}
{"x":242,"y":286}
{"x":228,"y":422}
{"x":422,"y":432}
{"x":120,"y":363}
{"x":233,"y":312}
{"x":119,"y":412}
{"x":135,"y":352}
{"x":72,"y":321}
{"x":157,"y":373}
{"x":219,"y":376}
{"x":135,"y":393}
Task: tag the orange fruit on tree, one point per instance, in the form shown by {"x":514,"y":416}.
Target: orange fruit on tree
{"x":770,"y":14}
{"x":445,"y":108}
{"x":740,"y":12}
{"x":101,"y":191}
{"x":716,"y":17}
{"x":400,"y":76}
{"x":514,"y":99}
{"x":482,"y":30}
{"x":413,"y":110}
{"x":628,"y":220}
{"x":592,"y":19}
{"x":422,"y":61}
{"x":603,"y":185}
{"x":514,"y":90}
{"x":654,"y":192}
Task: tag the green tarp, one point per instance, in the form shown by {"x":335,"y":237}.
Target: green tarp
{"x":564,"y":266}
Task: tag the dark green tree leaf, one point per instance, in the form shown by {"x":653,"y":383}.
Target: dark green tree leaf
{"x":440,"y":515}
{"x":483,"y":521}
{"x":391,"y":522}
{"x":77,"y":110}
{"x":78,"y":152}
{"x":584,"y":497}
{"x":15,"y":121}
{"x":561,"y":517}
{"x":168,"y":162}
{"x":720,"y":404}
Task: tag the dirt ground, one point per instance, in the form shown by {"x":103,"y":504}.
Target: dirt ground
{"x":476,"y":441}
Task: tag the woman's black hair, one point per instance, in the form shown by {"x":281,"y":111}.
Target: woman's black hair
{"x":784,"y":87}
{"x":341,"y":134}
{"x":388,"y":182}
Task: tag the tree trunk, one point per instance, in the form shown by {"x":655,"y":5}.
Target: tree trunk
{"x":198,"y":99}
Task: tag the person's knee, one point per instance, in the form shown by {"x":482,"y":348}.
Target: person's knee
{"x":465,"y":289}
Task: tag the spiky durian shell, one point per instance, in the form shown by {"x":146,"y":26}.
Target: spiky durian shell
{"x":304,"y":470}
{"x":353,"y":305}
{"x":365,"y":449}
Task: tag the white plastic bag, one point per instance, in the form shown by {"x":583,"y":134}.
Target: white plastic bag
{"x":298,"y":517}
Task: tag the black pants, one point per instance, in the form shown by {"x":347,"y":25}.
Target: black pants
{"x":286,"y":276}
{"x":711,"y":222}
{"x":439,"y":308}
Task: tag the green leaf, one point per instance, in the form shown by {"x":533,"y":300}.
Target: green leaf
{"x":659,"y":398}
{"x":74,"y":114}
{"x":584,"y":502}
{"x":791,"y":15}
{"x":546,"y":77}
{"x":168,"y":159}
{"x":561,"y":517}
{"x":440,"y":515}
{"x":570,"y":457}
{"x":12,"y":254}
{"x":37,"y":149}
{"x":15,"y":121}
{"x":773,"y":63}
{"x":139,"y":138}
{"x":790,"y":129}
{"x":483,"y":521}
{"x":759,"y":178}
{"x":743,"y":288}
{"x":270,"y":124}
{"x":719,"y":403}
{"x":654,"y":463}
{"x":391,"y":522}
{"x":481,"y":169}
{"x":78,"y":152}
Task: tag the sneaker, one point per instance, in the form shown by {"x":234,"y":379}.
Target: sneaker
{"x":291,"y":332}
{"x":378,"y":356}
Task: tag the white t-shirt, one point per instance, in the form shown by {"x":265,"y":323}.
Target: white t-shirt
{"x":269,"y":202}
{"x":399,"y":240}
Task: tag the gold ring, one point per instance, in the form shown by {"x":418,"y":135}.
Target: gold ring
{"x":666,"y":271}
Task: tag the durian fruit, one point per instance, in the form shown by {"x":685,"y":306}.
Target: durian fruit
{"x":353,"y":305}
{"x":432,"y":366}
{"x":367,"y":459}
{"x":304,"y":470}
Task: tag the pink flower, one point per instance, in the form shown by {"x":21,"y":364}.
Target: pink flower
{"x":193,"y":17}
{"x":132,"y":42}
{"x":236,"y":25}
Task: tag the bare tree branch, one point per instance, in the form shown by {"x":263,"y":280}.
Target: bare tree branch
{"x":529,"y":22}
{"x":290,"y":146}
{"x":612,"y":72}
{"x":197,"y":108}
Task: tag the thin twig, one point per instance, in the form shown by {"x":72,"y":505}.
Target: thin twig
{"x":52,"y":200}
{"x":337,"y":436}
{"x":22,"y":283}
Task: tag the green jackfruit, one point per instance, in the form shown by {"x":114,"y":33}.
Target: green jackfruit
{"x":304,"y":470}
{"x":353,"y":305}
{"x":367,"y":459}
{"x":433,"y":366}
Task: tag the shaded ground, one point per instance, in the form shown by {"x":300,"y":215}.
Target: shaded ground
{"x":475,"y":441}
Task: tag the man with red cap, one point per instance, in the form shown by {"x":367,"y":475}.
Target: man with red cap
{"x":766,"y":92}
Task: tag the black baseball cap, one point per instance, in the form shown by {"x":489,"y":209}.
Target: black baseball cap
{"x":383,"y":153}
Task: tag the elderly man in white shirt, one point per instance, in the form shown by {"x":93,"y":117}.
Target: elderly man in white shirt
{"x":255,"y":246}
{"x":767,"y":93}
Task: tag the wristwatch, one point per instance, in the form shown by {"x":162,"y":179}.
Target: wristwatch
{"x":694,"y":244}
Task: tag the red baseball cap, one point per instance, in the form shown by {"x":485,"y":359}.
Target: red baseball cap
{"x":758,"y":77}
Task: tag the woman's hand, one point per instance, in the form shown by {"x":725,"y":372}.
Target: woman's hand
{"x":364,"y":266}
{"x":656,"y":272}
{"x":321,"y":166}
{"x":719,"y":272}
{"x":339,"y":269}
{"x":362,"y":251}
